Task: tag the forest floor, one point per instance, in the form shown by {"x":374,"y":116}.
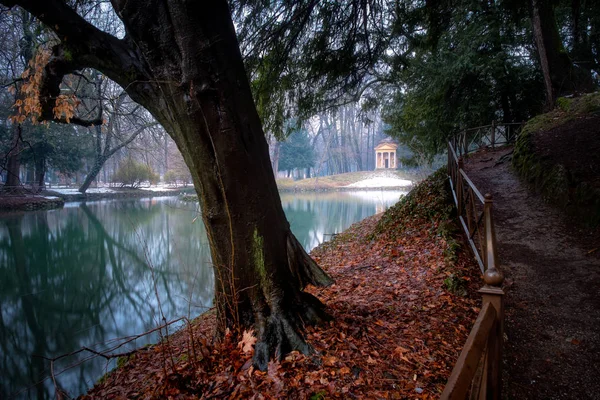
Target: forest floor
{"x":552,"y":269}
{"x":397,"y":329}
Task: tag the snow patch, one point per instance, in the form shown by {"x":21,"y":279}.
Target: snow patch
{"x":161,"y":188}
{"x":110,"y":190}
{"x":76,"y":191}
{"x":381,"y":181}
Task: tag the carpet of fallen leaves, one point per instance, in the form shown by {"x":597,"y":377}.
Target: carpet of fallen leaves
{"x":396,"y":334}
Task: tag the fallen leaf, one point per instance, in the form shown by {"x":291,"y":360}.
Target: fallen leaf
{"x":247,"y":342}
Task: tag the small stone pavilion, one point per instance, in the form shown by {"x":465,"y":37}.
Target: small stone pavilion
{"x":385,"y":154}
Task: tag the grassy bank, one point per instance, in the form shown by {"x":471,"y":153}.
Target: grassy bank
{"x":340,"y":181}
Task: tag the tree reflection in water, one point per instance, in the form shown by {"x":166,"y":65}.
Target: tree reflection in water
{"x":86,"y":274}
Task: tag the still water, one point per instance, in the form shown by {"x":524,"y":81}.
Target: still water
{"x":93,"y":273}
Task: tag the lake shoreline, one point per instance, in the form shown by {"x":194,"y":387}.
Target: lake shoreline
{"x":345,"y":189}
{"x":113,"y":255}
{"x":50,"y":199}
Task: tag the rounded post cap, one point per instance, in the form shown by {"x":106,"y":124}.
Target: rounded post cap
{"x":493,"y":277}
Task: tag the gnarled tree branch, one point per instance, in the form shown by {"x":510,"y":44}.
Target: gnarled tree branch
{"x":83,"y":46}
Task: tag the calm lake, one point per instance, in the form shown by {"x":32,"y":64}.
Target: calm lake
{"x":92,"y":274}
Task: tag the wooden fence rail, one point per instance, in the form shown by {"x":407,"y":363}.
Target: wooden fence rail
{"x":492,"y":135}
{"x":477,"y":373}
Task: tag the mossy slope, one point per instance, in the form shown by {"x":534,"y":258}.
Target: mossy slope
{"x":556,"y":182}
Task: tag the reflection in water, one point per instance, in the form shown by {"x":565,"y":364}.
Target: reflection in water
{"x":87,"y":274}
{"x":82,"y":276}
{"x":315,"y":216}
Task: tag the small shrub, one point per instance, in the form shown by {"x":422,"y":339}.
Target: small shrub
{"x":132,"y":173}
{"x":456,"y":284}
{"x":170,"y":177}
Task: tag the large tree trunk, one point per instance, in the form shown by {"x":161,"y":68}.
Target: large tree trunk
{"x":40,"y":174}
{"x":275,"y":161}
{"x":561,"y":76}
{"x":180,"y":59}
{"x":204,"y":102}
{"x":14,"y":159}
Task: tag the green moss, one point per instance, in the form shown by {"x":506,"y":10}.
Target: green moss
{"x":429,"y":201}
{"x":121,"y":361}
{"x":563,"y":103}
{"x":103,"y":378}
{"x":456,"y":284}
{"x":68,"y":56}
{"x":588,"y":103}
{"x":258,"y":257}
{"x":554,"y":182}
{"x":451,"y":252}
{"x":320,"y":395}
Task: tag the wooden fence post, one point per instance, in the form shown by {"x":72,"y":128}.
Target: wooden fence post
{"x":493,"y":137}
{"x":491,"y":386}
{"x":459,"y":186}
{"x":450,"y":162}
{"x":493,"y":294}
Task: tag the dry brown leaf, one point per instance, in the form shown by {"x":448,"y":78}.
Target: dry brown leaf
{"x":247,"y":342}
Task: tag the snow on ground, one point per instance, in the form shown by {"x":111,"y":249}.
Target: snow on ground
{"x":110,"y":190}
{"x":161,"y":188}
{"x":380,"y":181}
{"x":75,"y":191}
{"x":384,"y":196}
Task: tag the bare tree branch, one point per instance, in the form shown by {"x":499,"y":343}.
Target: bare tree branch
{"x":82,"y":46}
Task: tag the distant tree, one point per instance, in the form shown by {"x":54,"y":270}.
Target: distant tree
{"x":170,"y":177}
{"x":296,"y":152}
{"x":62,"y":148}
{"x":561,"y":75}
{"x":125,"y":121}
{"x":134,"y":173}
{"x":470,"y":66}
{"x":18,"y":37}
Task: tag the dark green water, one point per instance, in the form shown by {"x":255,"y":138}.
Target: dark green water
{"x":90,"y":274}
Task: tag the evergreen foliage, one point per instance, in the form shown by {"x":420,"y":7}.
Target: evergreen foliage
{"x":472,"y":66}
{"x":296,"y":152}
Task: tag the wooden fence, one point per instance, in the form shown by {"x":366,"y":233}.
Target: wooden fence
{"x":493,"y":135}
{"x":478,"y":371}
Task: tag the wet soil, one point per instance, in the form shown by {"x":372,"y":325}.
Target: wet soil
{"x":552,"y":269}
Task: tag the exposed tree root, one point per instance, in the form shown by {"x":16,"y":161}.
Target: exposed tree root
{"x":303,"y":267}
{"x":280,"y":332}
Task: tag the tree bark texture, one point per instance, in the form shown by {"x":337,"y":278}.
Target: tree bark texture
{"x":13,"y":164}
{"x":93,"y":173}
{"x":561,"y":76}
{"x":181,"y":60}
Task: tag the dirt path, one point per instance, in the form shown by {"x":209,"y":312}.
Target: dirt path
{"x":552,"y":286}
